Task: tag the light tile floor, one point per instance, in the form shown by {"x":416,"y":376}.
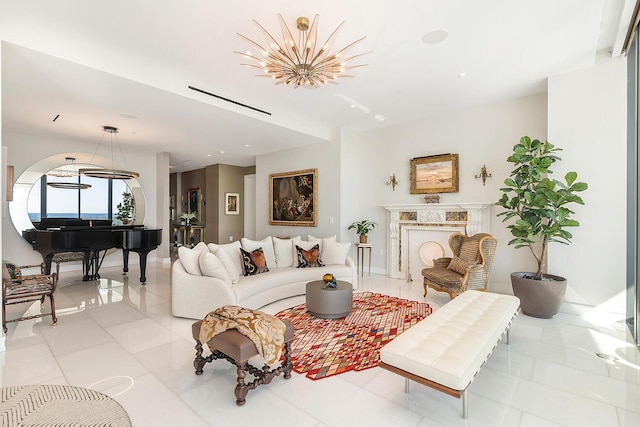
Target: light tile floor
{"x":120,"y":338}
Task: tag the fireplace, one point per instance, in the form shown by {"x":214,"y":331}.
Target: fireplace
{"x":410,"y":225}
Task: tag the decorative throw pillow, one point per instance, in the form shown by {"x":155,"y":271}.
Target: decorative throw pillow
{"x":310,"y":258}
{"x":10,"y":270}
{"x":267,"y":247}
{"x":233,"y":250}
{"x":283,"y":249}
{"x":334,"y":252}
{"x":189,"y":259}
{"x":321,"y":240}
{"x":201,"y":246}
{"x":459,"y":266}
{"x":253,"y":262}
{"x":229,"y":265}
{"x":304,"y":245}
{"x":210,"y":265}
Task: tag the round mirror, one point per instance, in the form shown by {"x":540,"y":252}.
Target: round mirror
{"x":68,"y":195}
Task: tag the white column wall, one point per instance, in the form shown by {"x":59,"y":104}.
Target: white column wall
{"x":587,"y":119}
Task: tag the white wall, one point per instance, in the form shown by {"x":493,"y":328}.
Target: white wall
{"x":25,"y":150}
{"x":587,"y":118}
{"x":323,"y":156}
{"x":483,"y":135}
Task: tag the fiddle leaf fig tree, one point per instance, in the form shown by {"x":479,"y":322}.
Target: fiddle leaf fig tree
{"x":536,"y":202}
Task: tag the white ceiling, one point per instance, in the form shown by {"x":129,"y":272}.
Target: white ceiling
{"x":97,"y":63}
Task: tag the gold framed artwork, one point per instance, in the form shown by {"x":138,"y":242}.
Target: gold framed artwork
{"x":434,"y":174}
{"x":193,"y":202}
{"x":232,"y":203}
{"x":293,"y":198}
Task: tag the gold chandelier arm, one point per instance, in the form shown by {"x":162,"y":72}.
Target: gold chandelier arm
{"x":311,"y":40}
{"x":338,"y":66}
{"x":274,"y":47}
{"x":337,"y":56}
{"x":328,"y":45}
{"x":266,"y":53}
{"x":290,"y":46}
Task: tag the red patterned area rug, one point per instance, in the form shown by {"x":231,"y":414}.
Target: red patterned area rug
{"x":324,"y":347}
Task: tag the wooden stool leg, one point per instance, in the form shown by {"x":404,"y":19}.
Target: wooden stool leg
{"x":199,"y":361}
{"x":241,"y":388}
{"x":287,"y":365}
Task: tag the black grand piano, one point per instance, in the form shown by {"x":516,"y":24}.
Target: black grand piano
{"x":55,"y":235}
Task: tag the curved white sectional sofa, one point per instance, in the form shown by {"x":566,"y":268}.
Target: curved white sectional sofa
{"x":202,"y":279}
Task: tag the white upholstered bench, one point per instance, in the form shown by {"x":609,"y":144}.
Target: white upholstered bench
{"x":446,"y":350}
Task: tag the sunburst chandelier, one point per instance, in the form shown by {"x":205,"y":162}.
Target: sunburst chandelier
{"x":299,"y":63}
{"x":109,"y":173}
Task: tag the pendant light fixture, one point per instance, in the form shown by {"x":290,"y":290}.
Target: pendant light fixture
{"x":109,"y":173}
{"x":303,"y":62}
{"x":63,"y":172}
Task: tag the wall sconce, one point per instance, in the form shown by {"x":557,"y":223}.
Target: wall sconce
{"x":483,"y":174}
{"x":392,"y":181}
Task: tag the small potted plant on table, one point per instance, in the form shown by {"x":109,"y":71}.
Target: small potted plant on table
{"x":363,"y":228}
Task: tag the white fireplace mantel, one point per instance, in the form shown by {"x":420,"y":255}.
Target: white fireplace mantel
{"x":469,"y":218}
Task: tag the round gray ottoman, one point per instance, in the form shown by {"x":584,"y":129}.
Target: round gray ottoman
{"x":329,"y":303}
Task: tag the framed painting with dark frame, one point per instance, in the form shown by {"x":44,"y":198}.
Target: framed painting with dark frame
{"x":293,"y":198}
{"x":232,"y":203}
{"x":193,"y":202}
{"x":434,"y":174}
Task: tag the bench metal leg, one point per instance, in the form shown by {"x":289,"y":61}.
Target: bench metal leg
{"x":464,"y":405}
{"x":406,"y":385}
{"x":509,"y":335}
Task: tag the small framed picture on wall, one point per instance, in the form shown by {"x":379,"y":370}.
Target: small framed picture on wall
{"x":232,"y":203}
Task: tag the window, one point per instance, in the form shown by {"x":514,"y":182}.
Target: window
{"x":97,"y":202}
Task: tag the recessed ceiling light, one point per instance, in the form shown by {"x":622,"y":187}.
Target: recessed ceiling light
{"x":221,"y":152}
{"x":380,"y":117}
{"x":463,"y":74}
{"x":247,"y":145}
{"x":434,"y":37}
{"x":208,"y":155}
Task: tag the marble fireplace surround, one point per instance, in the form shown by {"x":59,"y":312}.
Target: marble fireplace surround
{"x":429,"y":218}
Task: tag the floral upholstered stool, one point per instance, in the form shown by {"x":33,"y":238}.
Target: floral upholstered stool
{"x":242,"y":351}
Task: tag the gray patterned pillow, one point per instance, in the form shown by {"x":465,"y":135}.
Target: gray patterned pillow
{"x":459,"y":266}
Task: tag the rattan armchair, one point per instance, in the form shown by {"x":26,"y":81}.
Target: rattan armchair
{"x":18,"y":288}
{"x":469,"y":268}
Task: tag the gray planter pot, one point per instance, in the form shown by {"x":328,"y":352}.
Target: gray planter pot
{"x":539,"y":298}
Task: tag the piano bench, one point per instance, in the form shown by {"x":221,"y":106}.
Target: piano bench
{"x":67,"y":257}
{"x":237,"y":349}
